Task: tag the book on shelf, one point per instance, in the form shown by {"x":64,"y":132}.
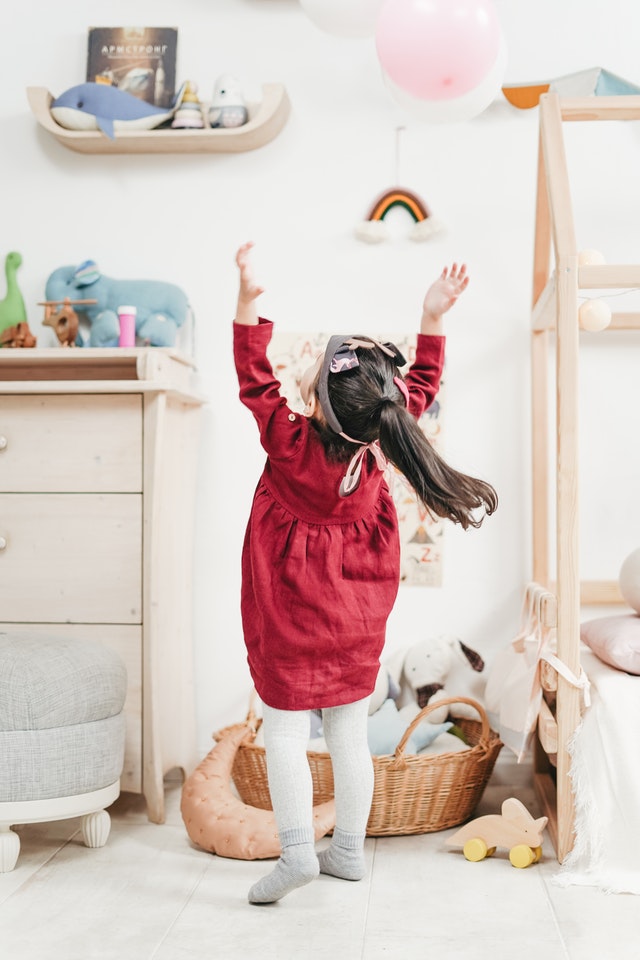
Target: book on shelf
{"x":138,"y":60}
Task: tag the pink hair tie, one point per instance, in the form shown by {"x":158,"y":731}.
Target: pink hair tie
{"x":351,"y":479}
{"x":402,"y":387}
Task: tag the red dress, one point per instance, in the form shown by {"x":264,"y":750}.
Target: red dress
{"x":320,"y":572}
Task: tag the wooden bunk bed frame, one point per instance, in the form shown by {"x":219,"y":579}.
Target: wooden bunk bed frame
{"x":555,"y":315}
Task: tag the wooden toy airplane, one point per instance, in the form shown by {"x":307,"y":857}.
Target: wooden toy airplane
{"x":514,"y":828}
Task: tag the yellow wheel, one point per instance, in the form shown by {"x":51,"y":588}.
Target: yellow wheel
{"x":491,"y":851}
{"x":538,"y":854}
{"x":475,"y":849}
{"x":521,"y":856}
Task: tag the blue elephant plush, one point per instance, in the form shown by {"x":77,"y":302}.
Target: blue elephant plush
{"x":161,"y":307}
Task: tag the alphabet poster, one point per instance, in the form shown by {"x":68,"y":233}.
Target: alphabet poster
{"x":420,"y":533}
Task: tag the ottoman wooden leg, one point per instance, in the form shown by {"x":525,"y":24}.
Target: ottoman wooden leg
{"x":9,"y":848}
{"x":95,"y":828}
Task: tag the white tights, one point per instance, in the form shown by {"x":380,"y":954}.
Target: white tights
{"x":286,"y":737}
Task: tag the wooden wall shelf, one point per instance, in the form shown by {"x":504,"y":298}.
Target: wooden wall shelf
{"x":266,"y":120}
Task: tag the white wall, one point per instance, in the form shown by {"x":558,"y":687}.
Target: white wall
{"x":181,"y":218}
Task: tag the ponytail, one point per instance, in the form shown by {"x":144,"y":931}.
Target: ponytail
{"x":369,"y":405}
{"x":444,"y":491}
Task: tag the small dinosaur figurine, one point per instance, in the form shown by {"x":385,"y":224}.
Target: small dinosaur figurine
{"x":14,"y":329}
{"x":12,"y":309}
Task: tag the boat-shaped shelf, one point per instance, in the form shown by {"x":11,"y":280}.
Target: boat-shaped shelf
{"x":266,"y":120}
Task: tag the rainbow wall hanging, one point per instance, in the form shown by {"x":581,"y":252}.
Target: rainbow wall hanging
{"x":374,"y":230}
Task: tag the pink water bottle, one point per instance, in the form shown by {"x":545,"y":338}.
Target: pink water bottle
{"x":127,"y":318}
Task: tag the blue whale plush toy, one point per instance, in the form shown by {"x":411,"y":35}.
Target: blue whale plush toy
{"x":92,"y":106}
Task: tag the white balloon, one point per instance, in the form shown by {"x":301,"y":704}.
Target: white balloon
{"x":457,"y":109}
{"x":344,"y":18}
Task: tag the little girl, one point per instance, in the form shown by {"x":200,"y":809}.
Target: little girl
{"x":321,"y":557}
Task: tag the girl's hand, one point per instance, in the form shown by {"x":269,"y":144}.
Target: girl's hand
{"x":442,"y":294}
{"x":249,"y":289}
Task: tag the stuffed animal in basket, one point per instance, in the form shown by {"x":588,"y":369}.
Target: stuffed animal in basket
{"x":387,"y":726}
{"x":423,"y":672}
{"x":161,"y":307}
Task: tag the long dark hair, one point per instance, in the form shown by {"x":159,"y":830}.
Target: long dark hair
{"x":370,"y":406}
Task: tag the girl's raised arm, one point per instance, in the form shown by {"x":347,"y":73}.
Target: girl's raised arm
{"x":249,"y":291}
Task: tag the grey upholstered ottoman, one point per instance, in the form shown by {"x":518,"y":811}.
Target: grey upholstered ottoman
{"x":61,"y":735}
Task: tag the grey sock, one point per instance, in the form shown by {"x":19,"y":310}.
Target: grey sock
{"x":345,"y":857}
{"x":297,"y":866}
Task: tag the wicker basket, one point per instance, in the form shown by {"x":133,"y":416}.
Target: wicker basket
{"x":412,"y":793}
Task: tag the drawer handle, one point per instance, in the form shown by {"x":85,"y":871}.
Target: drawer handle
{"x":3,"y":443}
{"x":3,"y":543}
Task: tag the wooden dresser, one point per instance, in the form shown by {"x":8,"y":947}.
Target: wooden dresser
{"x":98,"y":452}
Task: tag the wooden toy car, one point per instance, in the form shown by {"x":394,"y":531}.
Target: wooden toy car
{"x":514,"y":828}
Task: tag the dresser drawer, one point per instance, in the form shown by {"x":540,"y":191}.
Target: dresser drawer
{"x":73,"y":558}
{"x":66,"y":443}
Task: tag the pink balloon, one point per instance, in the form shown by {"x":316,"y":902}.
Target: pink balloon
{"x":437,"y":49}
{"x":456,"y":109}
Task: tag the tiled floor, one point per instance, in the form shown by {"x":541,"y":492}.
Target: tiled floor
{"x":149,"y":895}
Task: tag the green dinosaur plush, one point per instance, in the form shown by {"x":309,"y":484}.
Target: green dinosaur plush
{"x":12,"y":309}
